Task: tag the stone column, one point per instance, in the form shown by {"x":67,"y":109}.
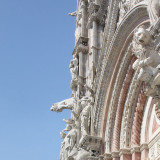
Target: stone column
{"x":82,"y":56}
{"x":84,"y":19}
{"x":125,"y":154}
{"x":136,"y":153}
{"x":94,"y":43}
{"x":144,"y":151}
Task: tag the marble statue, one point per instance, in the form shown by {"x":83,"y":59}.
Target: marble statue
{"x":60,"y":106}
{"x":65,"y":147}
{"x":153,"y":10}
{"x":85,"y":116}
{"x":148,"y":62}
{"x":72,"y":135}
{"x":70,"y":139}
{"x":74,"y":73}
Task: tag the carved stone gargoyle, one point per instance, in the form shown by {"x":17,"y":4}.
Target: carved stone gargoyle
{"x":60,"y":106}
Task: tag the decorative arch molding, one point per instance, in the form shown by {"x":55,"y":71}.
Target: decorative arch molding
{"x":111,"y":62}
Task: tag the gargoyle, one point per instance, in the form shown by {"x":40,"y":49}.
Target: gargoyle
{"x":60,"y":106}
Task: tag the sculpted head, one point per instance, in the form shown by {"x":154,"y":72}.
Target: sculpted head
{"x":142,"y":36}
{"x":54,"y":108}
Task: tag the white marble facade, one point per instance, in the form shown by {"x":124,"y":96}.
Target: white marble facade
{"x":115,"y":70}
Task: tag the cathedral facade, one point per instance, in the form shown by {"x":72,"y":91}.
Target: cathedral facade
{"x":115,"y":102}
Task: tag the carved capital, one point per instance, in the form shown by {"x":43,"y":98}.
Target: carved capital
{"x":135,"y":149}
{"x":93,"y":14}
{"x":93,"y":8}
{"x":81,"y":46}
{"x":115,"y":154}
{"x":125,"y":151}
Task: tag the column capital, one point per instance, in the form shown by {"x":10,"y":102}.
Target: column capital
{"x":93,"y":12}
{"x":125,"y":151}
{"x":107,"y":156}
{"x":115,"y":154}
{"x":135,"y":149}
{"x":144,"y":146}
{"x":81,"y":45}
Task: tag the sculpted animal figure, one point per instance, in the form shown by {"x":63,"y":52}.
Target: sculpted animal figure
{"x":60,"y":106}
{"x":148,"y":62}
{"x":154,"y":10}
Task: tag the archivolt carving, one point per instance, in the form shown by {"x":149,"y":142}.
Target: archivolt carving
{"x":131,"y":21}
{"x":117,"y":127}
{"x":114,"y":100}
{"x":125,"y":6}
{"x":138,"y":116}
{"x":129,"y":106}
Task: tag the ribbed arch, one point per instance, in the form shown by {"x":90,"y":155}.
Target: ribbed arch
{"x":116,"y":75}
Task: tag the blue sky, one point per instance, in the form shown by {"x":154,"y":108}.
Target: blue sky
{"x":36,"y":44}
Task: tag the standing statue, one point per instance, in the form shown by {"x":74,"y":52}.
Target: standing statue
{"x":154,"y":11}
{"x":85,"y":116}
{"x":74,"y":73}
{"x":65,"y":147}
{"x":70,"y":139}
